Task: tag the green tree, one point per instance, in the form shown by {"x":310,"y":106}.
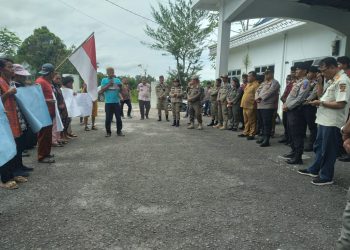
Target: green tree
{"x":9,"y":42}
{"x":42,"y":47}
{"x":181,"y":32}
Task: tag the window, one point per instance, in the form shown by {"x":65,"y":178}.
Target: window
{"x":262,"y":69}
{"x":234,"y":73}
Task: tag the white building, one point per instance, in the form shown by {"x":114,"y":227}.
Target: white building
{"x":333,"y":14}
{"x":279,"y":44}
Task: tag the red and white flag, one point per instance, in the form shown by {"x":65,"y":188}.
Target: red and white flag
{"x":84,"y":60}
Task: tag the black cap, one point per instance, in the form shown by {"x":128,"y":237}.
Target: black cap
{"x":301,"y":66}
{"x":313,"y":69}
{"x":46,"y":69}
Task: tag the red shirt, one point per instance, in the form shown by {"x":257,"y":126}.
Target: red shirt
{"x":48,"y":94}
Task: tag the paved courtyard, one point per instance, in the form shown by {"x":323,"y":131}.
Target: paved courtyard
{"x":170,"y":188}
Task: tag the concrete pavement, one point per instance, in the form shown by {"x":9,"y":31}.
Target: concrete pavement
{"x":170,"y":188}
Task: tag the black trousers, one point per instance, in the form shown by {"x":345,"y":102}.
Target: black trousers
{"x":128,"y":103}
{"x":31,"y":139}
{"x":259,"y":120}
{"x":310,"y":118}
{"x":144,"y":105}
{"x":113,"y":109}
{"x":297,"y":127}
{"x":285,"y":125}
{"x":9,"y":169}
{"x":266,"y":116}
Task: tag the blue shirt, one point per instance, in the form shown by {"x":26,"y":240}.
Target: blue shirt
{"x":112,"y":93}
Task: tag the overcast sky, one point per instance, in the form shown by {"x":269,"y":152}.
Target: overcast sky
{"x":117,"y":43}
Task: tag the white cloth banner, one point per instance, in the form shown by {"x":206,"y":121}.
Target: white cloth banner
{"x":71,"y":102}
{"x":7,"y":146}
{"x":84,"y":102}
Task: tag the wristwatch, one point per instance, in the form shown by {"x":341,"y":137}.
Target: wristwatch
{"x":342,"y":130}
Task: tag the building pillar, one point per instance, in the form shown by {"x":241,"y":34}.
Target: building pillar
{"x":347,"y":45}
{"x":223,"y":47}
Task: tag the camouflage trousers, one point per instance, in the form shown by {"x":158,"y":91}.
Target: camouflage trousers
{"x":222,"y":112}
{"x":176,"y":108}
{"x":162,"y":105}
{"x":196,"y":112}
{"x":214,"y":110}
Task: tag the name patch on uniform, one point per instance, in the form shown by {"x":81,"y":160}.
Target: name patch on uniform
{"x":342,"y":87}
{"x":305,"y":84}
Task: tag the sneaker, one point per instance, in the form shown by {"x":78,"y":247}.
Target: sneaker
{"x":306,"y":172}
{"x":319,"y":182}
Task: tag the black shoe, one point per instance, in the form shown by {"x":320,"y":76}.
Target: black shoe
{"x":289,"y":155}
{"x":250,"y":138}
{"x":306,"y":172}
{"x":25,"y":168}
{"x":295,"y":161}
{"x":147,"y":117}
{"x":211,"y":124}
{"x":260,"y":140}
{"x":241,"y":135}
{"x":345,"y":158}
{"x":174,"y":123}
{"x":216,"y":123}
{"x":283,"y":140}
{"x":120,"y":134}
{"x":319,"y":182}
{"x":234,"y":129}
{"x":265,"y":144}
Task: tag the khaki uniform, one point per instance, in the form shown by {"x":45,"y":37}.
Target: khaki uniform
{"x":233,"y":97}
{"x":222,"y":105}
{"x":195,"y":103}
{"x":249,"y":108}
{"x":162,"y":91}
{"x":176,"y":102}
{"x":213,"y":102}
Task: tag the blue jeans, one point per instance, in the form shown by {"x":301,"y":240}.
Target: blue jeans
{"x":326,"y":149}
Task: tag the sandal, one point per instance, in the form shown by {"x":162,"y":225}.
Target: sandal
{"x":20,"y":179}
{"x":47,"y":160}
{"x":10,"y":185}
{"x":73,"y":135}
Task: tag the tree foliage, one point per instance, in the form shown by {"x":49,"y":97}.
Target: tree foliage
{"x":42,"y":47}
{"x":9,"y":42}
{"x":181,"y":32}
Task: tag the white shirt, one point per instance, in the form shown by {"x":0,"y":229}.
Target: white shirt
{"x":144,"y":92}
{"x":338,"y":91}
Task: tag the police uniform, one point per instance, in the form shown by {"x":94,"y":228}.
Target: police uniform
{"x":176,"y":95}
{"x":296,"y":121}
{"x":222,"y":105}
{"x":194,"y":94}
{"x":162,"y":91}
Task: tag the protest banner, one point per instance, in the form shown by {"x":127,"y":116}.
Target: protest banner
{"x":84,"y":102}
{"x":71,"y":102}
{"x":7,"y":145}
{"x":32,"y":103}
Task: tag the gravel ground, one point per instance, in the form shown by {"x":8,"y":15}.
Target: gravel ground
{"x":170,"y":188}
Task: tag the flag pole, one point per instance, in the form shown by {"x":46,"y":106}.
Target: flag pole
{"x":64,"y":60}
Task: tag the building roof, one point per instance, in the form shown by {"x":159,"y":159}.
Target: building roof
{"x":269,"y":28}
{"x":339,"y":4}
